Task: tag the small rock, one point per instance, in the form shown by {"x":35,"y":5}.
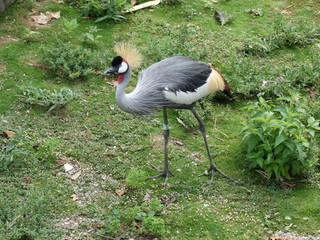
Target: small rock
{"x":67,"y":167}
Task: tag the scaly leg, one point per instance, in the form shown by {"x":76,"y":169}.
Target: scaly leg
{"x":212,"y":168}
{"x":165,"y":173}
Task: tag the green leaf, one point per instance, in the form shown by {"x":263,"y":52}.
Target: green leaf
{"x":286,"y":152}
{"x":252,"y":142}
{"x":280,"y":139}
{"x":278,"y":149}
{"x":260,"y":162}
{"x":291,"y":145}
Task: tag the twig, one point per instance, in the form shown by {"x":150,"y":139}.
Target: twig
{"x":220,"y":139}
{"x":217,"y":130}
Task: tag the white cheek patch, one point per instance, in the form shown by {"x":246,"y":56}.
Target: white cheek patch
{"x":123,"y":68}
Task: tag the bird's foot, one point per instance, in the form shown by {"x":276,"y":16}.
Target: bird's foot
{"x":164,"y":173}
{"x":211,"y":171}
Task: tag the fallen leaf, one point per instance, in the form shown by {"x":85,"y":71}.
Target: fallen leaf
{"x":41,"y":19}
{"x":76,"y":175}
{"x":287,"y":10}
{"x":55,"y":15}
{"x":32,"y":11}
{"x":9,"y":133}
{"x":45,"y":19}
{"x":182,"y":123}
{"x":133,"y":2}
{"x":74,"y":197}
{"x":113,"y":83}
{"x":120,"y":192}
{"x":313,"y":92}
{"x":178,"y":143}
{"x":285,"y":185}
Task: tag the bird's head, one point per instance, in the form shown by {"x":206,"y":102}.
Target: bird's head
{"x":119,"y":65}
{"x":227,"y":89}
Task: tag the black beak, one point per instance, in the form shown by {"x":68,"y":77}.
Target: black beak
{"x":228,"y":93}
{"x":112,"y":70}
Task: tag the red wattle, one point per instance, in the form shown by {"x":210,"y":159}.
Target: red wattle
{"x":120,"y":78}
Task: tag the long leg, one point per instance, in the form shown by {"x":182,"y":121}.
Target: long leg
{"x":165,"y":173}
{"x":212,"y":168}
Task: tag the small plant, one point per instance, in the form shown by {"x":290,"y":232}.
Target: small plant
{"x":142,"y":219}
{"x":90,"y":37}
{"x":259,"y":46}
{"x":136,"y":178}
{"x":47,"y":150}
{"x":171,"y":2}
{"x":104,"y":9}
{"x":70,"y":26}
{"x":9,"y":146}
{"x":53,"y":99}
{"x":222,"y":17}
{"x":280,"y":138}
{"x":69,"y":61}
{"x":255,"y":12}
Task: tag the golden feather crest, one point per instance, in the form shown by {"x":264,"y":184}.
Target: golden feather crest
{"x":129,"y":53}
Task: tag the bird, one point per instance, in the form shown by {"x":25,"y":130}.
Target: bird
{"x":173,"y":83}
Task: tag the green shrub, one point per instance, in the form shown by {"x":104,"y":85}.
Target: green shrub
{"x":129,"y":222}
{"x":280,"y":138}
{"x":53,"y":99}
{"x":286,"y":34}
{"x":69,"y":61}
{"x":250,"y":77}
{"x":103,"y":9}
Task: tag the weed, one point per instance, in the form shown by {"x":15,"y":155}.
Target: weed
{"x":10,"y":151}
{"x":171,"y":2}
{"x":250,"y":77}
{"x":53,"y":99}
{"x":136,"y":178}
{"x":69,"y":61}
{"x":286,"y":34}
{"x":70,"y":26}
{"x":90,"y":37}
{"x":136,"y":220}
{"x":278,"y":139}
{"x":257,"y":12}
{"x":102,"y":9}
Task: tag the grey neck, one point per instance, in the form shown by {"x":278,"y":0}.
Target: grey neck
{"x":122,"y":99}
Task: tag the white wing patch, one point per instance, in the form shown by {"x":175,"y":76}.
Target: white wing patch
{"x":213,"y":84}
{"x":181,"y":97}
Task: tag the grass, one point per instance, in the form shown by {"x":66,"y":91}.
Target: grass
{"x":39,"y":200}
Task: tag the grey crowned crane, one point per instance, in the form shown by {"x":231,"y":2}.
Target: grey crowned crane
{"x":175,"y":82}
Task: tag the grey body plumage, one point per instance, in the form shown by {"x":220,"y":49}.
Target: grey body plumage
{"x":176,"y":82}
{"x":148,"y":94}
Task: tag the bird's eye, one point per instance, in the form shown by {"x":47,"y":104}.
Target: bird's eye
{"x":123,"y":67}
